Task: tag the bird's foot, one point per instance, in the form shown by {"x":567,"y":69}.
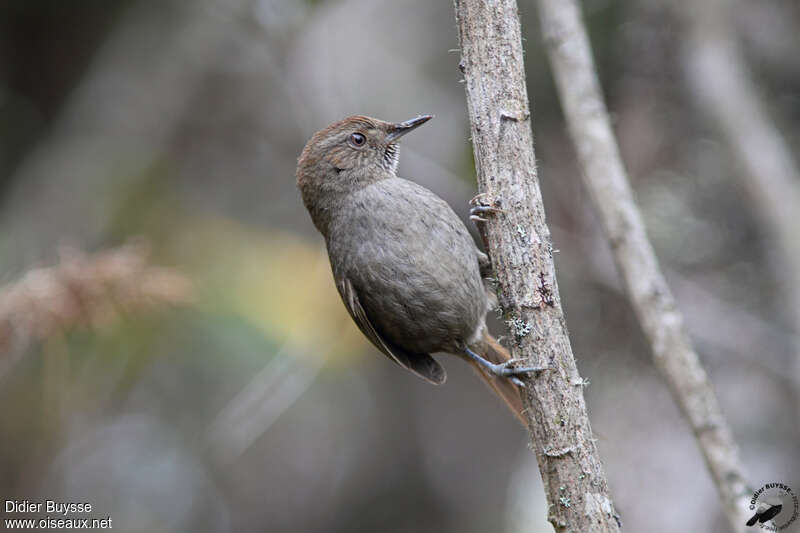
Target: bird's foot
{"x":480,"y":208}
{"x":476,"y":213}
{"x":507,"y":370}
{"x":479,"y":199}
{"x":510,"y":371}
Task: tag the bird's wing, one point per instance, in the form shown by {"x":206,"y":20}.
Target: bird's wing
{"x":421,"y":364}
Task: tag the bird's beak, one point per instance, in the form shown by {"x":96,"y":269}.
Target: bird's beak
{"x":401,"y":128}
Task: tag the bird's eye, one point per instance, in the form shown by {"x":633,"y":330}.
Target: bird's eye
{"x":357,"y":139}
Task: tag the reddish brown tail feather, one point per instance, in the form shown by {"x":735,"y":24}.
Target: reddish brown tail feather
{"x":507,"y":391}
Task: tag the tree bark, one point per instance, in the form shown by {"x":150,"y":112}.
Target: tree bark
{"x":519,"y":244}
{"x":605,"y":177}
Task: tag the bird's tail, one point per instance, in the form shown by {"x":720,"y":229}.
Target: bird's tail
{"x":495,"y":352}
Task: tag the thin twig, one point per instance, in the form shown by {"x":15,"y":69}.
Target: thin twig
{"x":606,"y":179}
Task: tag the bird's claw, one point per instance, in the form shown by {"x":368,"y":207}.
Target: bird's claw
{"x":476,"y":213}
{"x":508,"y":369}
{"x":480,"y":208}
{"x":518,"y":382}
{"x":478,"y":199}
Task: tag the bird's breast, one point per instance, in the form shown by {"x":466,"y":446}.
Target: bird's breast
{"x":413,"y":264}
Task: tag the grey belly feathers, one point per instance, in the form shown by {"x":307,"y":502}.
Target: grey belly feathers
{"x":410,"y":276}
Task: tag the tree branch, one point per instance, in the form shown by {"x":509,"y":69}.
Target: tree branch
{"x":717,"y":76}
{"x":518,"y":241}
{"x":605,"y":178}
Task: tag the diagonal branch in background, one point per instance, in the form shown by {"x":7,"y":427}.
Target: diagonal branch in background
{"x":269,"y":394}
{"x":82,"y":290}
{"x":606,"y":179}
{"x":717,"y":76}
{"x":518,"y":242}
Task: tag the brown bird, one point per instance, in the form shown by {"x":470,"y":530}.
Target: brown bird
{"x":405,"y":265}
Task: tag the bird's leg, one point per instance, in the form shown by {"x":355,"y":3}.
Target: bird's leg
{"x":503,"y":370}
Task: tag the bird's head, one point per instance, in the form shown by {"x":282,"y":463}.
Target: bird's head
{"x":347,"y":155}
{"x":354,"y":143}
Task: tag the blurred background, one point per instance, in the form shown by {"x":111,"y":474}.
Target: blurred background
{"x":200,"y":373}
